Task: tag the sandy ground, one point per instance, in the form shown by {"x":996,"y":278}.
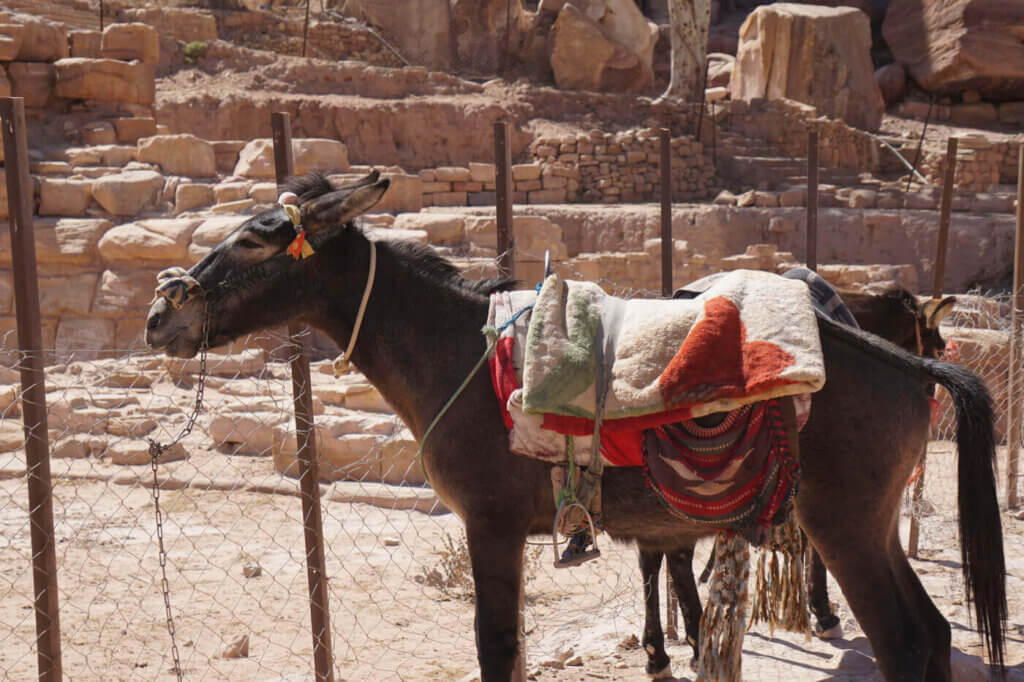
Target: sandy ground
{"x":400,"y":599}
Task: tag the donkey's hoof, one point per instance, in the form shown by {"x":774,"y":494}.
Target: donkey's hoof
{"x":662,"y":674}
{"x":829,"y":628}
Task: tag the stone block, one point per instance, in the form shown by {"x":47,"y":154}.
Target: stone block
{"x":106,"y":80}
{"x":42,"y":40}
{"x":231,"y":191}
{"x":256,"y":158}
{"x":67,"y":294}
{"x":979,"y":113}
{"x":526,"y":171}
{"x":99,"y":132}
{"x":128,"y":192}
{"x":263,"y":192}
{"x":85,"y":43}
{"x":441,"y":228}
{"x":131,"y":41}
{"x":481,"y":231}
{"x":535,"y":235}
{"x":404,"y":195}
{"x":35,"y":81}
{"x":226,"y":152}
{"x":182,"y":154}
{"x":64,"y":196}
{"x":192,"y":195}
{"x":236,"y":206}
{"x":211,"y":232}
{"x":61,"y":241}
{"x":124,"y":291}
{"x":1011,"y":112}
{"x":482,"y":172}
{"x":452,"y":174}
{"x":794,"y":196}
{"x":11,"y":36}
{"x":434,"y":187}
{"x":449,"y":198}
{"x":130,"y":130}
{"x":489,"y":198}
{"x":5,"y":91}
{"x":160,"y":239}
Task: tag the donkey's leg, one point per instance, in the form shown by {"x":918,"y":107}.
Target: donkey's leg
{"x":939,"y":666}
{"x":497,"y":559}
{"x":658,"y":663}
{"x":827,"y":625}
{"x":680,"y":566}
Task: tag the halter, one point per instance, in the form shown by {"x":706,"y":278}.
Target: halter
{"x":178,"y":287}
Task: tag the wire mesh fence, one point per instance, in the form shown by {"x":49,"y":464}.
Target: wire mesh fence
{"x":400,"y":588}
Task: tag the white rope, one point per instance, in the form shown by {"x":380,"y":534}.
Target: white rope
{"x":341,"y":363}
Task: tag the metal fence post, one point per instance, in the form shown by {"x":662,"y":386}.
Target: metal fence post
{"x":666,"y":211}
{"x":1016,"y":339}
{"x":33,"y":395}
{"x":812,"y":200}
{"x":503,"y":199}
{"x":309,"y":469}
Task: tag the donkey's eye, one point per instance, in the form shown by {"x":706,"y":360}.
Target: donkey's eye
{"x":248,"y":244}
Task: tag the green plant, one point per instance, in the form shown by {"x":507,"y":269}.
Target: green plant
{"x":194,"y":51}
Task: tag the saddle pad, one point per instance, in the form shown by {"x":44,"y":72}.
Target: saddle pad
{"x":749,"y":337}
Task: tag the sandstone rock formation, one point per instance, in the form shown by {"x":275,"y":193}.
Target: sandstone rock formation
{"x":181,"y":154}
{"x":256,"y":159}
{"x":417,"y":28}
{"x":105,"y":79}
{"x":487,"y":33}
{"x":816,"y":55}
{"x":603,"y":45}
{"x":131,"y":41}
{"x":952,"y":45}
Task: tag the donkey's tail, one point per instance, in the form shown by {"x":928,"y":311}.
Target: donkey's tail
{"x":981,"y":532}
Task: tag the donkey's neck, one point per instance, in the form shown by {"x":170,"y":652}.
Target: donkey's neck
{"x":420,"y":334}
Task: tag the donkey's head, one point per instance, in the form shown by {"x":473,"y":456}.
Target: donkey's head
{"x":249,"y":281}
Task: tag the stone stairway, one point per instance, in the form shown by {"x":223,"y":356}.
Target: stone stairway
{"x":74,"y":14}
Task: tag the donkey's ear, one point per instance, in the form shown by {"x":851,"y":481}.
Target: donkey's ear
{"x":935,"y":310}
{"x":343,"y":205}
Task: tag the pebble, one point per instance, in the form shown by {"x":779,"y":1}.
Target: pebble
{"x":237,"y":648}
{"x":252,"y":569}
{"x":390,"y":541}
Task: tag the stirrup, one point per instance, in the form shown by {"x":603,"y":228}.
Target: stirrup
{"x":574,"y":554}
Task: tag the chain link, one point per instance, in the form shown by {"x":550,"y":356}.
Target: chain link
{"x":155,"y":450}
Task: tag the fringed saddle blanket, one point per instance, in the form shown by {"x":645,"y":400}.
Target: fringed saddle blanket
{"x":646,"y":369}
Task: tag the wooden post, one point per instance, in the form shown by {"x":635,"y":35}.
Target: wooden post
{"x":666,"y":212}
{"x":33,"y":395}
{"x":812,"y":200}
{"x":945,"y":209}
{"x":101,"y":16}
{"x":305,"y":33}
{"x":503,"y":199}
{"x":1013,"y":437}
{"x":309,"y":469}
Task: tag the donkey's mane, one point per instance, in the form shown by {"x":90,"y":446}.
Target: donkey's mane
{"x":421,"y":258}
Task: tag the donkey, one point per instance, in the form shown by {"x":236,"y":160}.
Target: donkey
{"x":896,"y":316}
{"x":419,"y":345}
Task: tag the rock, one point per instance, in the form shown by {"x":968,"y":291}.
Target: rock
{"x":135,"y":451}
{"x":182,"y":154}
{"x":85,"y":337}
{"x":5,"y":91}
{"x":63,"y":241}
{"x":130,"y":130}
{"x":1011,"y":112}
{"x":482,"y":172}
{"x":64,"y":196}
{"x":404,"y":195}
{"x":476,"y":23}
{"x":192,"y":195}
{"x":35,"y":81}
{"x":67,"y":293}
{"x":160,"y":239}
{"x":534,"y":236}
{"x":131,"y":41}
{"x":181,"y":23}
{"x":252,"y":569}
{"x":42,"y":40}
{"x":419,"y":29}
{"x":952,"y":45}
{"x":85,"y":43}
{"x":815,"y":55}
{"x":720,"y":68}
{"x":11,"y":37}
{"x":106,"y":80}
{"x":211,"y":232}
{"x":99,"y":132}
{"x":231,"y":191}
{"x":441,"y":228}
{"x":121,"y":291}
{"x":610,"y":52}
{"x":128,"y":192}
{"x":892,"y":82}
{"x":978,"y":114}
{"x":256,"y":159}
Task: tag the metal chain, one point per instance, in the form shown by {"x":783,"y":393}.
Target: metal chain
{"x":155,"y":450}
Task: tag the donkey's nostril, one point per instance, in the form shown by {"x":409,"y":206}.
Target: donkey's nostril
{"x":153,"y":322}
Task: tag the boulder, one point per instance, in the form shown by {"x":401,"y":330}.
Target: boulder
{"x":417,"y":28}
{"x":441,"y":228}
{"x":128,"y":192}
{"x":67,"y":293}
{"x":892,"y":82}
{"x":815,"y":55}
{"x":535,"y":235}
{"x":131,"y":41}
{"x":182,"y":154}
{"x":85,"y":43}
{"x":608,"y":48}
{"x":952,"y":45}
{"x":85,"y":337}
{"x":122,"y":291}
{"x":720,"y":66}
{"x":42,"y":40}
{"x":130,"y":130}
{"x":192,"y":195}
{"x":161,"y":239}
{"x":62,"y":241}
{"x":107,"y":80}
{"x":11,"y":37}
{"x":477,"y":25}
{"x":64,"y":196}
{"x":256,"y":159}
{"x":34,"y":81}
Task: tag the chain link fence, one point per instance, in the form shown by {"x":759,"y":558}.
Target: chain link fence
{"x":400,"y":587}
